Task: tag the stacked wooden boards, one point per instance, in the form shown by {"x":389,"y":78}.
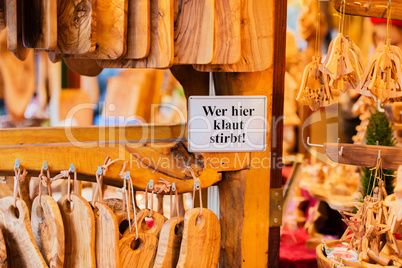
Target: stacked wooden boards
{"x":211,"y":35}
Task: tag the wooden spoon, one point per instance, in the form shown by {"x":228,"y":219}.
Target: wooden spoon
{"x":158,"y":219}
{"x":106,"y":237}
{"x":48,"y":230}
{"x":22,"y":250}
{"x":3,"y":252}
{"x":79,"y":228}
{"x":138,"y":253}
{"x":200,"y":246}
{"x":169,"y":243}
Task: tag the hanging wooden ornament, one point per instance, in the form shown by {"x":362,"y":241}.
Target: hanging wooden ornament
{"x":314,"y":89}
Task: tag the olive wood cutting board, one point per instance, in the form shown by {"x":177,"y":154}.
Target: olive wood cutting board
{"x":3,"y":251}
{"x":256,"y":32}
{"x":227,"y":41}
{"x":138,"y":29}
{"x":39,"y":24}
{"x":158,"y":219}
{"x":138,"y":253}
{"x":22,"y":250}
{"x":14,"y":29}
{"x":79,"y":227}
{"x":48,"y":230}
{"x":87,"y":67}
{"x":2,"y":15}
{"x":161,"y":50}
{"x":194,"y":31}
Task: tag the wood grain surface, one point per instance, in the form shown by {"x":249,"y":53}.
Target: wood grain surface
{"x":201,"y":241}
{"x":3,"y":251}
{"x":22,"y":250}
{"x":86,"y":67}
{"x":227,"y":39}
{"x":194,"y":31}
{"x":106,"y":237}
{"x":138,"y":253}
{"x":371,"y":8}
{"x":48,"y":230}
{"x":138,"y":29}
{"x":39,"y":25}
{"x":76,"y":27}
{"x":169,"y":243}
{"x":79,"y":228}
{"x":13,"y":10}
{"x":256,"y":33}
{"x":2,"y":15}
{"x":161,"y":50}
{"x":158,"y":219}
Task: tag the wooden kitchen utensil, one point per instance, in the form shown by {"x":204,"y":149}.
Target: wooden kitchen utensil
{"x":106,"y":237}
{"x":161,"y":50}
{"x":76,"y":26}
{"x":201,"y":241}
{"x":256,"y":39}
{"x":138,"y":29}
{"x":39,"y":24}
{"x":227,"y":39}
{"x":194,"y":31}
{"x":138,"y":252}
{"x":79,"y":228}
{"x":48,"y":230}
{"x":22,"y":250}
{"x":3,"y":251}
{"x":87,"y":67}
{"x":13,"y":9}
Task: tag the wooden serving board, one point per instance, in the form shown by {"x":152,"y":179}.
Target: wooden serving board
{"x":194,"y":31}
{"x":161,"y":50}
{"x":256,"y":39}
{"x":3,"y":251}
{"x":2,"y":15}
{"x":14,"y":29}
{"x":138,"y":29}
{"x":87,"y":67}
{"x":22,"y":250}
{"x":227,"y":39}
{"x":48,"y":230}
{"x":158,"y":219}
{"x":141,"y":255}
{"x":76,"y":27}
{"x":39,"y":25}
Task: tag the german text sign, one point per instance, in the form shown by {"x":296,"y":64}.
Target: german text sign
{"x":227,"y":123}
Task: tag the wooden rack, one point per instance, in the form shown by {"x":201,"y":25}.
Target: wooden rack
{"x":371,"y":8}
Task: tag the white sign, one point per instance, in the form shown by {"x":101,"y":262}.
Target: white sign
{"x":227,"y":123}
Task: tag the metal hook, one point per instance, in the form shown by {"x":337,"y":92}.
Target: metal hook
{"x":45,"y":165}
{"x":312,"y":144}
{"x":340,"y":151}
{"x":72,"y":168}
{"x":17,"y":163}
{"x":381,"y":110}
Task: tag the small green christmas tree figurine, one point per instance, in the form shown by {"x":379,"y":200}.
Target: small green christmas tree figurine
{"x":379,"y":129}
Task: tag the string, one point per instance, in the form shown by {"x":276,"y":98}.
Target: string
{"x":317,"y":53}
{"x":46,"y":182}
{"x":99,"y":177}
{"x":135,"y":213}
{"x":17,"y":180}
{"x":388,"y":39}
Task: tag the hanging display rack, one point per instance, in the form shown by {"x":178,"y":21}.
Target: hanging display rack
{"x":370,"y":8}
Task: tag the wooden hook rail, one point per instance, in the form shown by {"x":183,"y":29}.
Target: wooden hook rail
{"x":152,"y":152}
{"x":371,"y":8}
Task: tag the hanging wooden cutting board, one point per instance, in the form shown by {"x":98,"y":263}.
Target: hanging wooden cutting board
{"x":85,"y":67}
{"x":256,"y":39}
{"x":106,"y":237}
{"x":138,"y":29}
{"x":161,"y":50}
{"x":14,"y":29}
{"x":2,"y":15}
{"x":39,"y":24}
{"x":158,"y":219}
{"x":138,"y":253}
{"x":111,"y":30}
{"x":76,"y":26}
{"x":48,"y":230}
{"x":3,"y":251}
{"x":22,"y":250}
{"x":79,"y":229}
{"x":201,"y":242}
{"x":169,"y":244}
{"x":227,"y":48}
{"x":194,"y":31}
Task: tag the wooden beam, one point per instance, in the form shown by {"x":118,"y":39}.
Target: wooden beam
{"x":364,"y":155}
{"x":371,"y":8}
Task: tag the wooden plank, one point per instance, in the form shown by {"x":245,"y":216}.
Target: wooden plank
{"x":194,"y":31}
{"x":364,"y":155}
{"x":256,"y":38}
{"x":227,"y":48}
{"x":76,"y":28}
{"x":161,"y":50}
{"x":39,"y":25}
{"x":14,"y":29}
{"x":138,"y":29}
{"x":371,"y":8}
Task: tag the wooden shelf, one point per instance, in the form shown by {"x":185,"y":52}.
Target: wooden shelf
{"x":371,"y":8}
